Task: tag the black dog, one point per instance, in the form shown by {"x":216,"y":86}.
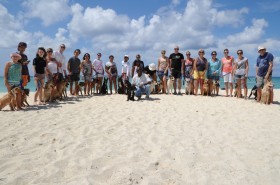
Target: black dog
{"x":104,"y":88}
{"x":130,"y":90}
{"x":254,"y":92}
{"x":120,"y":85}
{"x":25,"y":93}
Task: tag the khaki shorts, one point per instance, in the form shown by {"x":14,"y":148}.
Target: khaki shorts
{"x":261,"y":81}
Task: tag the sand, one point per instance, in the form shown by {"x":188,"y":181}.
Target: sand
{"x":182,"y":140}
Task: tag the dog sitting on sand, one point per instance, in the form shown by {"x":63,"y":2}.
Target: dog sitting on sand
{"x":104,"y":88}
{"x":206,"y":88}
{"x":48,"y":88}
{"x":11,"y":99}
{"x":188,"y":89}
{"x":24,"y":95}
{"x":216,"y":86}
{"x":130,"y":90}
{"x":267,"y":93}
{"x":120,"y":85}
{"x":170,"y":85}
{"x":254,"y":92}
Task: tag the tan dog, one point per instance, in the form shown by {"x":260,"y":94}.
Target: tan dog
{"x":24,"y":95}
{"x":48,"y":91}
{"x":216,"y":86}
{"x":11,"y":98}
{"x":188,"y":88}
{"x":170,"y":83}
{"x":206,"y":89}
{"x":267,"y":93}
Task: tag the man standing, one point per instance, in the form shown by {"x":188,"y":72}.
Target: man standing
{"x":74,"y":71}
{"x":60,"y":59}
{"x":24,"y":62}
{"x":137,"y":63}
{"x":142,"y":83}
{"x":176,"y":61}
{"x":263,"y":70}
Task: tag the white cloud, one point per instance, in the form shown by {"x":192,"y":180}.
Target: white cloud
{"x":49,"y":12}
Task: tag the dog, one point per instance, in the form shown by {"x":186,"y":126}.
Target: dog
{"x":254,"y":92}
{"x":104,"y":88}
{"x":267,"y":93}
{"x":205,"y":88}
{"x":170,"y":83}
{"x":188,"y":88}
{"x":159,"y":87}
{"x":80,"y":88}
{"x":120,"y":85}
{"x":11,"y":99}
{"x":216,"y":86}
{"x":154,"y":87}
{"x":130,"y":90}
{"x":93,"y":85}
{"x":24,"y":95}
{"x":48,"y":89}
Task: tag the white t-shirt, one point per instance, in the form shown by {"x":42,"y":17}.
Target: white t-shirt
{"x":60,"y":58}
{"x":144,"y":78}
{"x":52,"y":67}
{"x":125,"y":68}
{"x":98,"y":66}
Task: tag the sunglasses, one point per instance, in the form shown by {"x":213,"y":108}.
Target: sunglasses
{"x":214,"y":53}
{"x":176,"y":48}
{"x":239,"y":53}
{"x":49,"y":51}
{"x":201,"y":52}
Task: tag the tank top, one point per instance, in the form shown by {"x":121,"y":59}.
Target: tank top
{"x":227,"y":64}
{"x":162,"y":63}
{"x":86,"y":68}
{"x":240,"y":66}
{"x":14,"y":74}
{"x":201,"y":64}
{"x":188,"y":66}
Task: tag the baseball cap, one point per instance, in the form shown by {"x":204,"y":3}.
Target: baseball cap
{"x":261,"y":48}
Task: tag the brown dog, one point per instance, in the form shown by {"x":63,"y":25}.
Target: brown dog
{"x":206,"y":89}
{"x":24,"y":95}
{"x":267,"y":93}
{"x":48,"y":91}
{"x":11,"y":99}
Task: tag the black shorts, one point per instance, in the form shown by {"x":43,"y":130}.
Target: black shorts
{"x":75,"y":77}
{"x":176,"y":73}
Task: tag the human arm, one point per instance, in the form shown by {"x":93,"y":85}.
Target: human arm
{"x":246,"y":68}
{"x":182,"y":66}
{"x":269,"y":70}
{"x":167,"y":65}
{"x":6,"y":70}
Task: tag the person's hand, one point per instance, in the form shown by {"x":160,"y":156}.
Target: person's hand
{"x":141,"y":84}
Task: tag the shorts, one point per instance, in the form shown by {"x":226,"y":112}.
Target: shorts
{"x":239,"y":77}
{"x":161,"y":74}
{"x":198,"y":75}
{"x":215,"y":78}
{"x":261,"y":81}
{"x":75,"y":77}
{"x":176,"y":73}
{"x":87,"y":78}
{"x":227,"y":77}
{"x":99,"y":75}
{"x":25,"y":80}
{"x":40,"y":76}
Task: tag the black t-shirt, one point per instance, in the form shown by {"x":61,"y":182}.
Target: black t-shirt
{"x":24,"y":67}
{"x":40,"y":64}
{"x":138,"y":63}
{"x":148,"y":71}
{"x":176,"y":61}
{"x":74,"y":65}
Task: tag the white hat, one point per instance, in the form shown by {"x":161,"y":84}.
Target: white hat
{"x":126,"y":56}
{"x":152,"y":67}
{"x":261,"y":48}
{"x":15,"y":55}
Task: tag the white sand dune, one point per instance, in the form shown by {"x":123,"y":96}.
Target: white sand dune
{"x":166,"y":140}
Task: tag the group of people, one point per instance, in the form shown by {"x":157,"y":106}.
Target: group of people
{"x":52,"y":65}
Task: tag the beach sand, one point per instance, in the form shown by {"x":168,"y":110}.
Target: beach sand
{"x":170,"y":139}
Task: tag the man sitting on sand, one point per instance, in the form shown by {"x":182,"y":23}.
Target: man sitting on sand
{"x":141,"y":82}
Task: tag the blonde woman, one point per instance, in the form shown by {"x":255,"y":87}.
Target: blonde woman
{"x":163,"y":65}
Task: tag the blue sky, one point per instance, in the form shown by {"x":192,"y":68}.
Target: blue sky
{"x":145,"y":27}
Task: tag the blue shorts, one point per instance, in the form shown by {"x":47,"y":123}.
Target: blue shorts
{"x":239,"y":76}
{"x":215,"y":78}
{"x":161,"y":74}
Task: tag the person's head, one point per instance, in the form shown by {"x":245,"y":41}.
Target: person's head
{"x":214,"y":54}
{"x":226,"y":51}
{"x":138,"y":57}
{"x":86,"y":56}
{"x":111,"y":58}
{"x":15,"y":57}
{"x":98,"y":55}
{"x":41,"y":52}
{"x":188,"y":54}
{"x":201,"y":52}
{"x":176,"y":49}
{"x":77,"y":52}
{"x":49,"y":52}
{"x":126,"y":57}
{"x":152,"y":67}
{"x":62,"y":48}
{"x":163,"y":52}
{"x":139,"y":71}
{"x":22,"y":46}
{"x":262,"y":50}
{"x":239,"y":53}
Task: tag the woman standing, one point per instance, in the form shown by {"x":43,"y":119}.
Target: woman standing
{"x":213,"y":73}
{"x":189,"y":70}
{"x":163,"y":65}
{"x":98,"y":68}
{"x":200,"y":68}
{"x":39,"y":65}
{"x":112,"y":72}
{"x":240,"y":71}
{"x":87,"y":72}
{"x":227,"y":63}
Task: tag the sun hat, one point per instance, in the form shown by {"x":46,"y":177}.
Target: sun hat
{"x":15,"y":55}
{"x":126,"y":56}
{"x":261,"y":48}
{"x":152,"y":67}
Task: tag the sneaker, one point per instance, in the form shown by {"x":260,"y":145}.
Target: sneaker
{"x":147,"y":97}
{"x":175,"y":93}
{"x":179,"y":93}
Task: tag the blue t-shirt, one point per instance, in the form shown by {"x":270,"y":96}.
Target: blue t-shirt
{"x":214,"y":67}
{"x":263,"y":64}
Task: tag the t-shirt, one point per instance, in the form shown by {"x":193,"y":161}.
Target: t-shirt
{"x":148,"y":71}
{"x":24,"y":67}
{"x":112,"y":67}
{"x":98,"y":66}
{"x":263,"y":64}
{"x":227,"y":64}
{"x":136,"y":80}
{"x":137,"y":64}
{"x":176,"y":60}
{"x":214,"y":67}
{"x":60,"y":58}
{"x":74,"y":64}
{"x":52,"y":67}
{"x":125,"y":68}
{"x":40,"y":64}
{"x":241,"y":66}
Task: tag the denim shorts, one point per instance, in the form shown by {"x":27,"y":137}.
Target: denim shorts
{"x":161,"y":74}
